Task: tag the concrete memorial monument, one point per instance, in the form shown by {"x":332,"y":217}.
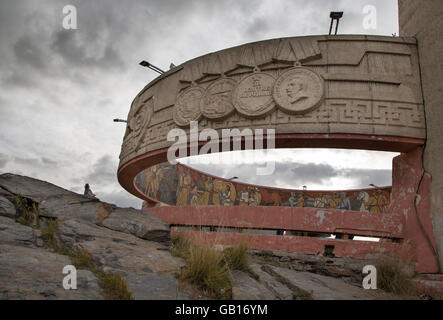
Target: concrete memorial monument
{"x":353,"y":91}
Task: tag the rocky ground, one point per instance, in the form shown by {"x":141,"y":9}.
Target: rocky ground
{"x":136,"y":245}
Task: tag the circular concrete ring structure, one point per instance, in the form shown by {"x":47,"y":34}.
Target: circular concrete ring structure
{"x":352,"y":92}
{"x":360,"y":92}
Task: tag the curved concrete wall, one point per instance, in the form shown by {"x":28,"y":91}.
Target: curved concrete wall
{"x":180,"y":185}
{"x":367,"y":85}
{"x":360,"y":92}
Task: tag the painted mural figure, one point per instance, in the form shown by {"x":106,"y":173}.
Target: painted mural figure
{"x":321,"y":202}
{"x":202,"y":190}
{"x":345,"y":202}
{"x":363,"y":196}
{"x":205,"y":188}
{"x":244,"y":197}
{"x":227,"y":194}
{"x":254,"y":197}
{"x":378,"y":202}
{"x":296,"y":201}
{"x":153,"y":178}
{"x":194,"y":196}
{"x":184,"y":188}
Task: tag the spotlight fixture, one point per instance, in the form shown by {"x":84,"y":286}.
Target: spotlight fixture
{"x":146,"y":64}
{"x":335,"y":15}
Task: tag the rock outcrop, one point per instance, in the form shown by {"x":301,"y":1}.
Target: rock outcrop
{"x":135,"y":246}
{"x":120,"y":240}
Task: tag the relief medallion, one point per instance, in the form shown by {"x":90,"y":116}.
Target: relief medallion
{"x":298,"y":90}
{"x":253,"y":95}
{"x":217,"y":101}
{"x":187,"y":106}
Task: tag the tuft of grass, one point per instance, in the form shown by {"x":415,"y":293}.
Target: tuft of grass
{"x":82,"y":259}
{"x":208,"y":270}
{"x":28,"y":211}
{"x":49,"y":234}
{"x":237,"y":257}
{"x":180,"y":247}
{"x":114,"y":286}
{"x":392,"y":277}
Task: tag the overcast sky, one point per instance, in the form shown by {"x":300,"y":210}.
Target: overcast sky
{"x":60,"y":89}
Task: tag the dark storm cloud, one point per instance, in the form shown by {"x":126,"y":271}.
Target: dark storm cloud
{"x":73,"y":50}
{"x":27,"y":51}
{"x":103,"y":171}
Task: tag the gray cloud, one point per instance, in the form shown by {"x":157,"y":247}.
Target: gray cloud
{"x":121,"y":197}
{"x":27,"y":51}
{"x":295,"y":175}
{"x":60,"y":89}
{"x":69,"y":45}
{"x":103,"y":171}
{"x":4,"y":159}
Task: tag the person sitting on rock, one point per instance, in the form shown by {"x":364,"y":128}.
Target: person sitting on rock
{"x":88,"y":192}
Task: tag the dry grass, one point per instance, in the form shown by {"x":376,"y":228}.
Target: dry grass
{"x":392,"y":276}
{"x":180,"y":247}
{"x":237,"y":257}
{"x":209,"y":268}
{"x":114,"y":286}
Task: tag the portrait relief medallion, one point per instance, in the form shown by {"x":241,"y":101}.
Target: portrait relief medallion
{"x":217,"y":101}
{"x":253,"y":95}
{"x":298,"y":90}
{"x":187,"y":106}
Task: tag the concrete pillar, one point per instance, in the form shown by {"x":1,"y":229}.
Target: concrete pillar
{"x":424,"y":20}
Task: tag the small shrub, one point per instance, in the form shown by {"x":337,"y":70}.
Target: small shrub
{"x":114,"y":287}
{"x":27,"y":210}
{"x":208,"y":270}
{"x":392,"y":276}
{"x":49,"y":234}
{"x":82,"y":259}
{"x":237,"y":257}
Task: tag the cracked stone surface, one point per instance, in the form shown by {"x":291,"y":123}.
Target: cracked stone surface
{"x":246,"y":288}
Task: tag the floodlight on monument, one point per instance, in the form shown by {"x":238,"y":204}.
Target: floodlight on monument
{"x":146,"y":64}
{"x":335,"y":15}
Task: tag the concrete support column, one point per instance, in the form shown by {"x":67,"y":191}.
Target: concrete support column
{"x":424,"y":20}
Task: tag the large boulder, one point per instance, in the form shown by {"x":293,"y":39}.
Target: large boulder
{"x":56,"y":202}
{"x":140,"y":224}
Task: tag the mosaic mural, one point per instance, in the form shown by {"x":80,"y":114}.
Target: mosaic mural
{"x":183,"y":186}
